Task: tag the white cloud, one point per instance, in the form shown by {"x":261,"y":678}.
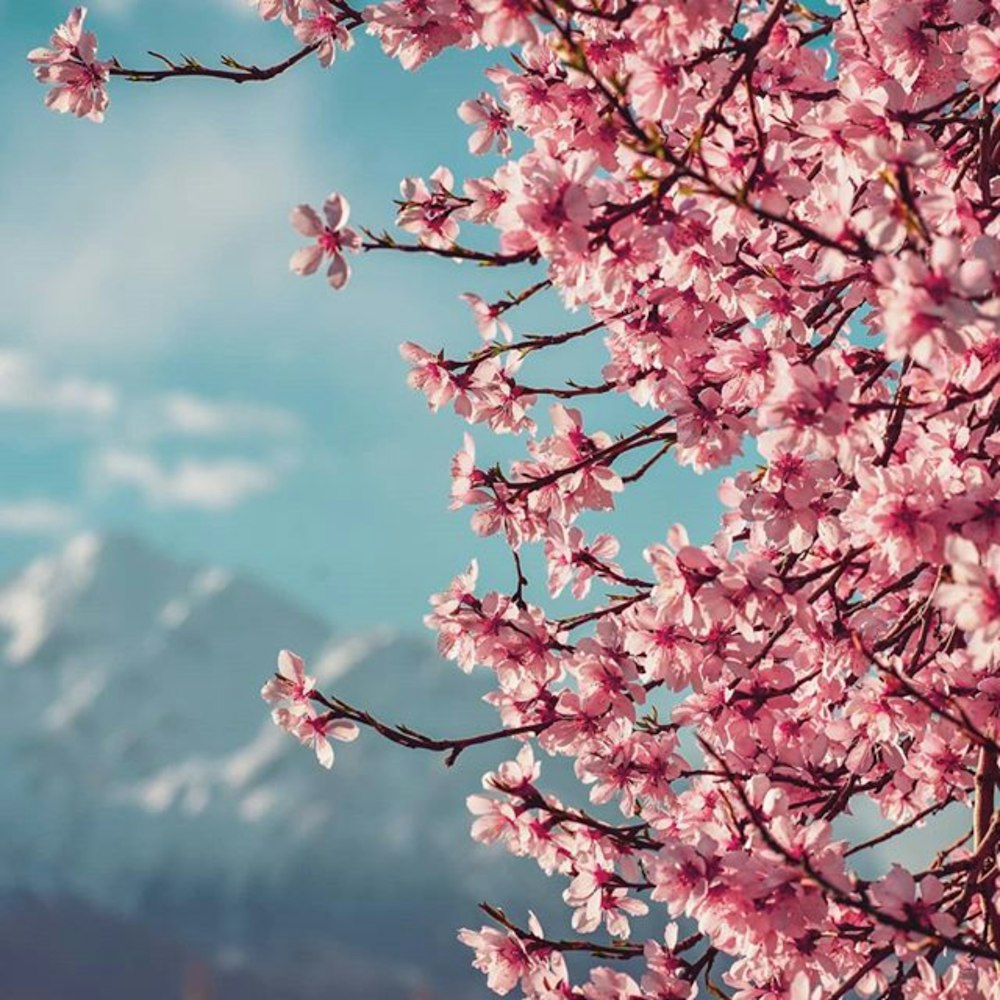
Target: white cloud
{"x":187,"y":415}
{"x":36,"y":517}
{"x":113,"y":8}
{"x":121,"y":8}
{"x":115,"y":432}
{"x":187,"y":225}
{"x":25,"y":386}
{"x":216,"y":485}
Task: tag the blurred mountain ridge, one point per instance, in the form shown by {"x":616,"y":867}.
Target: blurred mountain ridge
{"x":144,"y":780}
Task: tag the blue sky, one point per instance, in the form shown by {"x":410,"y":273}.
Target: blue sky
{"x":162,"y":373}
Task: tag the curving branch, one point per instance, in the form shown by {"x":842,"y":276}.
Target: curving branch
{"x":235,"y":72}
{"x":404,"y":736}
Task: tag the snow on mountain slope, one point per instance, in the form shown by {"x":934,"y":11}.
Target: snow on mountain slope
{"x":142,"y":774}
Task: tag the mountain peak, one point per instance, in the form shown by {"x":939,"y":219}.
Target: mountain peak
{"x":116,"y":585}
{"x":146,"y":777}
{"x":94,"y":577}
{"x":33,"y":601}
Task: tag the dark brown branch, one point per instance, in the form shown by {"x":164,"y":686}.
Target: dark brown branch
{"x":616,"y":951}
{"x":411,"y":739}
{"x":234,"y":72}
{"x":454,"y":252}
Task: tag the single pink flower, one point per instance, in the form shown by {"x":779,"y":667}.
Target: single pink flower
{"x":488,"y":318}
{"x":78,"y":79}
{"x":982,"y":56}
{"x":492,"y":125}
{"x":332,"y":238}
{"x":291,"y":683}
{"x":428,"y":210}
{"x":316,"y":731}
{"x":319,"y":23}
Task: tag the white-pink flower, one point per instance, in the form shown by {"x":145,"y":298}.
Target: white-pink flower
{"x":316,"y":731}
{"x":332,"y":238}
{"x":71,"y":67}
{"x":492,"y":125}
{"x":428,"y":210}
{"x":319,"y":23}
{"x":488,"y":318}
{"x":269,"y":10}
{"x":68,"y":41}
{"x":972,"y":599}
{"x":294,"y":691}
{"x":501,"y":957}
{"x":982,"y":56}
{"x":291,"y":683}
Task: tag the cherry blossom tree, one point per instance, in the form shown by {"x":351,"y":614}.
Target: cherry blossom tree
{"x":780,"y":220}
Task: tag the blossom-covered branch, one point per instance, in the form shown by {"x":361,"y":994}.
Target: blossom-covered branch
{"x":779,"y":227}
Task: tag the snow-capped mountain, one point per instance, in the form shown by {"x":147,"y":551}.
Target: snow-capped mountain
{"x":143,"y":777}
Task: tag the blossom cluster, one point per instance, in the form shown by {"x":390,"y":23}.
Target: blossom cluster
{"x":779,"y":226}
{"x":319,"y":24}
{"x":78,"y":79}
{"x":292,"y":691}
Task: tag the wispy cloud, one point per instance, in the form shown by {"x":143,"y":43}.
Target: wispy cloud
{"x":123,"y":439}
{"x":36,"y":517}
{"x":187,"y":415}
{"x":26,"y":385}
{"x":113,"y":8}
{"x":190,"y":226}
{"x":29,"y":384}
{"x":214,"y":484}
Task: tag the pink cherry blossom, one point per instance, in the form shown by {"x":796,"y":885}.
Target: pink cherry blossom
{"x":500,"y":957}
{"x":429,"y":211}
{"x":78,"y":79}
{"x":492,"y":125}
{"x":320,"y":23}
{"x":774,"y":232}
{"x":488,"y":318}
{"x":902,"y":897}
{"x":69,"y":41}
{"x":982,"y":56}
{"x":316,"y":731}
{"x":291,"y":683}
{"x":271,"y":9}
{"x":506,"y":22}
{"x":294,"y":691}
{"x":332,"y":237}
{"x":569,"y":559}
{"x":972,"y":599}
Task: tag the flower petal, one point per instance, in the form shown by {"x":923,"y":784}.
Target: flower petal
{"x":324,"y":752}
{"x":306,"y":221}
{"x":306,"y":260}
{"x":338,"y":272}
{"x":337,"y":211}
